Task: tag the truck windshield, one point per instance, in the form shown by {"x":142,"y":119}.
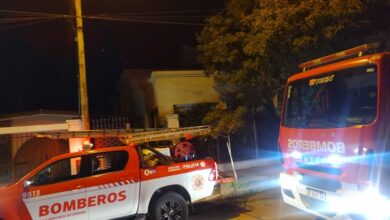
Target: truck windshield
{"x":337,"y":99}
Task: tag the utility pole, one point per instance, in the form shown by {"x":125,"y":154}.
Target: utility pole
{"x":82,"y":70}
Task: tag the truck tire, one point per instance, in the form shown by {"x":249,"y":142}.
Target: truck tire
{"x":170,"y":206}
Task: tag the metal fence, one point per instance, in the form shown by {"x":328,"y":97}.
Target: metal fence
{"x":110,"y":123}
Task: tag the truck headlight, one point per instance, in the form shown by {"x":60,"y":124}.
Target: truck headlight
{"x":296,"y":155}
{"x":335,"y":160}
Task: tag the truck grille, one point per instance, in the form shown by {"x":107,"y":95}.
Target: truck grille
{"x":321,"y":183}
{"x":321,"y":169}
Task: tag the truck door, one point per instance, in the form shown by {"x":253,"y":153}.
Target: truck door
{"x":57,"y":191}
{"x":112,"y":190}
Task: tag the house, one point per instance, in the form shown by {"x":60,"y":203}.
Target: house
{"x":147,"y":96}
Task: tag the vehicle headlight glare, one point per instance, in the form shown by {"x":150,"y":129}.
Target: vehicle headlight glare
{"x":335,"y":160}
{"x":296,"y":155}
{"x":368,"y":203}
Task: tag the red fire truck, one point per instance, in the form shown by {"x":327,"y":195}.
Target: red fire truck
{"x":110,"y":183}
{"x":335,"y":136}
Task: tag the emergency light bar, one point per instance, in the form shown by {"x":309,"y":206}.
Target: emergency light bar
{"x":340,"y":55}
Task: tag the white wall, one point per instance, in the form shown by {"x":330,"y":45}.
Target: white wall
{"x":181,"y":87}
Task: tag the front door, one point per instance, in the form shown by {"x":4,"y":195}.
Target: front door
{"x":57,"y":191}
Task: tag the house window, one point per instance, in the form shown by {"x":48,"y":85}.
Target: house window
{"x":192,"y":114}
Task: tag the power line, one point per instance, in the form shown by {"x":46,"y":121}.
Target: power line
{"x":166,"y":17}
{"x":159,"y":12}
{"x":157,"y":16}
{"x":109,"y":14}
{"x":103,"y":17}
{"x":141,"y":20}
{"x":29,"y":13}
{"x":14,"y":20}
{"x":46,"y":19}
{"x":27,"y":24}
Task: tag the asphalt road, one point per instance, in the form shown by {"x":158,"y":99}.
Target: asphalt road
{"x":264,"y":205}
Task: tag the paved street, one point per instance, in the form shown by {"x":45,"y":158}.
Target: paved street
{"x":256,"y":196}
{"x":259,"y":205}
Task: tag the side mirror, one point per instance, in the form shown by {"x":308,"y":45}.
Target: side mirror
{"x":277,"y":100}
{"x":27,"y":183}
{"x":41,"y":178}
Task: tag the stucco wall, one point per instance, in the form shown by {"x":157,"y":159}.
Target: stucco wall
{"x":181,"y":87}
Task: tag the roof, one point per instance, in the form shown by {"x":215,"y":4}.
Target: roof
{"x":359,"y":61}
{"x":39,"y":113}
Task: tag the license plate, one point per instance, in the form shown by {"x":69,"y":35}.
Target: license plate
{"x":316,"y":194}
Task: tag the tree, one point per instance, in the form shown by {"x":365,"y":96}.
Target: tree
{"x":252,"y":46}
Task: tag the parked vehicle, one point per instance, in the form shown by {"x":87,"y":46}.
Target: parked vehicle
{"x":109,"y":183}
{"x":335,"y":136}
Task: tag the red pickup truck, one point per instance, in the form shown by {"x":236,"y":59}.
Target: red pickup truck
{"x":109,"y":183}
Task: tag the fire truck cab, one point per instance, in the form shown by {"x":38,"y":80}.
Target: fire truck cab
{"x":108,"y":183}
{"x":335,"y":136}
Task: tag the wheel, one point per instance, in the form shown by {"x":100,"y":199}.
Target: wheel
{"x":170,"y":206}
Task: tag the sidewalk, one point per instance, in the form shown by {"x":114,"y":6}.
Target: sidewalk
{"x":262,"y":175}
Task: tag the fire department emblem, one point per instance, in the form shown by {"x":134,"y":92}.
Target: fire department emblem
{"x":197,"y":182}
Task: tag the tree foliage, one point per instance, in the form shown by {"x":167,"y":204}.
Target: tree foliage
{"x":252,"y":46}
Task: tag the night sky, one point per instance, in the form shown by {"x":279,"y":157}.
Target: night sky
{"x":38,"y":57}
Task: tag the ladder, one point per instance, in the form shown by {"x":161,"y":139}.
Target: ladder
{"x":132,"y":136}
